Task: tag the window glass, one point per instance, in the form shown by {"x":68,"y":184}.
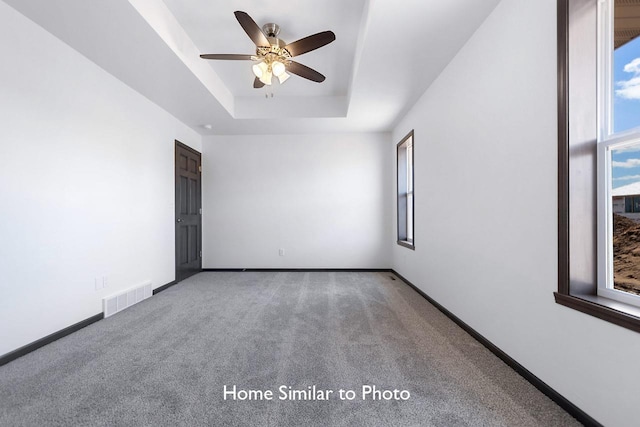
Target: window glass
{"x":626,"y":66}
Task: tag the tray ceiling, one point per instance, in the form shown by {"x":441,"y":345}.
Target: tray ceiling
{"x":384,"y":57}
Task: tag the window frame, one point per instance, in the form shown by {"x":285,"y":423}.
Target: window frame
{"x":578,"y":112}
{"x":404,"y":191}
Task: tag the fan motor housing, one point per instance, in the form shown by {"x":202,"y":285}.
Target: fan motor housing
{"x":271,"y":30}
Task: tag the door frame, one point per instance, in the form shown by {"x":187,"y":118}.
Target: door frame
{"x":180,"y":145}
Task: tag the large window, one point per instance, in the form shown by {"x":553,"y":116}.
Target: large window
{"x":618,"y":143}
{"x":599,"y":149}
{"x":404,"y":156}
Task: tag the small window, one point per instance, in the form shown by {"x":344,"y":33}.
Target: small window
{"x":404,"y":154}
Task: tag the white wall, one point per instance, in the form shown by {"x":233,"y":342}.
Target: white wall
{"x":486,"y":206}
{"x":322,"y":198}
{"x":86,"y":184}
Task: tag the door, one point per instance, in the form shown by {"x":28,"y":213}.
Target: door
{"x":188,"y":212}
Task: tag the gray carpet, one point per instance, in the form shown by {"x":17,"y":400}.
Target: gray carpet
{"x":165,"y":361}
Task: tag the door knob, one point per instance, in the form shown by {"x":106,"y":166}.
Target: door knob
{"x":179,"y":219}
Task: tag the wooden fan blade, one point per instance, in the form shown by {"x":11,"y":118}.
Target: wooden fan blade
{"x":227,"y":56}
{"x":310,"y":43}
{"x":257,"y":83}
{"x":251,"y":28}
{"x":304,"y":71}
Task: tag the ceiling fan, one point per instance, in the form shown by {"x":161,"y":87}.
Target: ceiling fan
{"x":273,"y":56}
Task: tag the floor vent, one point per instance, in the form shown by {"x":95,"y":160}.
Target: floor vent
{"x":118,"y":302}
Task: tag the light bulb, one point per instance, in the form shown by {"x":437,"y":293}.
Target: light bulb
{"x":278,"y":68}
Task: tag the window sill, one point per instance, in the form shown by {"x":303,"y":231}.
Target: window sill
{"x":625,"y":315}
{"x":407,"y":244}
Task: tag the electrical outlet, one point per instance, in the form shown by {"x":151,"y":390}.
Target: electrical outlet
{"x":281,"y":252}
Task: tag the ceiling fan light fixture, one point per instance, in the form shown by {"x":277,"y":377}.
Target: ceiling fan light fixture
{"x":266,"y":78}
{"x":278,"y":68}
{"x":260,"y":69}
{"x":283,"y":77}
{"x":257,"y":71}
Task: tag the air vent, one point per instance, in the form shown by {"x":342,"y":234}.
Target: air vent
{"x":118,"y":302}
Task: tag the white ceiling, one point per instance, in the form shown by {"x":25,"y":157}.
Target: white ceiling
{"x":386,"y":54}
